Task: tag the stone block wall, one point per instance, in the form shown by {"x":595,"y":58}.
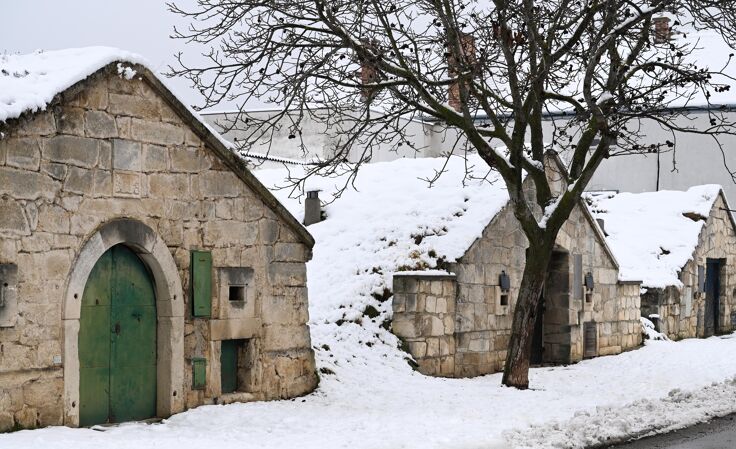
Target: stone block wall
{"x":424,"y":318}
{"x":483,"y":313}
{"x":682,"y":308}
{"x":113,"y":148}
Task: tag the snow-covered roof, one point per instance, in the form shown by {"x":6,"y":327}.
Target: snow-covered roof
{"x":653,"y":234}
{"x":395,"y":215}
{"x":30,"y":82}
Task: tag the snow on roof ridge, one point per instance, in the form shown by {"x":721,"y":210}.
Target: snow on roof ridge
{"x":654,"y":234}
{"x":29,"y":82}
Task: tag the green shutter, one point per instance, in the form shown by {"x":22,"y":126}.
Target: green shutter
{"x":201,"y":280}
{"x":199,"y":373}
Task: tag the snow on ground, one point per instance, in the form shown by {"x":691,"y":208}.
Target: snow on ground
{"x":370,"y":398}
{"x":648,"y":233}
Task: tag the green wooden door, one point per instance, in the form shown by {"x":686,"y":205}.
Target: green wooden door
{"x":117,"y":341}
{"x":229,"y":365}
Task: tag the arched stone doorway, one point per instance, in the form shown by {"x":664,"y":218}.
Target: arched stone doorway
{"x":143,"y":242}
{"x":117,"y":341}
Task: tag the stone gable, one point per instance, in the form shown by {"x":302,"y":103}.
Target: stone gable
{"x":476,"y":342}
{"x":682,"y":309}
{"x":115,"y":150}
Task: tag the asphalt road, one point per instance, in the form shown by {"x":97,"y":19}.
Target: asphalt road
{"x":717,"y":434}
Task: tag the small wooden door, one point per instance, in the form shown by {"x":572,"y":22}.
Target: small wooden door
{"x":712,"y":296}
{"x":117,"y":341}
{"x":229,"y":365}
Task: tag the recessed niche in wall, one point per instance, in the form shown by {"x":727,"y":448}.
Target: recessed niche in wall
{"x":236,"y":293}
{"x":236,"y":289}
{"x":8,"y":299}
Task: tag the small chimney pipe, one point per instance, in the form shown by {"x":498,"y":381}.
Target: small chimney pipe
{"x":312,"y":208}
{"x":601,"y":224}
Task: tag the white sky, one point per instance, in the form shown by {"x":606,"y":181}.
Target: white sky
{"x":140,"y":26}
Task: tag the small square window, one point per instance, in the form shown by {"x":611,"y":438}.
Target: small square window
{"x":236,"y":293}
{"x":588,"y":297}
{"x":504,"y":299}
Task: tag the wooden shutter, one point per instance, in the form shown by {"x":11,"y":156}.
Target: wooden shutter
{"x":199,"y":373}
{"x":577,"y":273}
{"x":590,"y":339}
{"x":201,"y":280}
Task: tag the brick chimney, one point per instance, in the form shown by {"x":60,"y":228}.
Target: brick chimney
{"x":467,"y":45}
{"x":662,"y":31}
{"x":368,"y":73}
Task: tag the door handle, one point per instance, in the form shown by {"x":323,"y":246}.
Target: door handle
{"x":116,"y":330}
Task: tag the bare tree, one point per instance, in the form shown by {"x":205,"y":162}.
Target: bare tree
{"x":487,"y":71}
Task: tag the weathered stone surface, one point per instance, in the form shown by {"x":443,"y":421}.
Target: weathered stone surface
{"x":126,"y":183}
{"x":72,"y":150}
{"x":289,"y":252}
{"x":126,"y":155}
{"x":155,"y":158}
{"x":70,"y":120}
{"x":22,"y":153}
{"x":26,"y":185}
{"x":12,"y":218}
{"x":79,"y":180}
{"x":100,"y":124}
{"x":42,"y":124}
{"x":132,"y":105}
{"x":156,"y":132}
{"x":214,"y":184}
{"x":190,"y":160}
{"x":169,"y":186}
{"x":220,"y":233}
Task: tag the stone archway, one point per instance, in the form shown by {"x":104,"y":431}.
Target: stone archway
{"x":169,"y":309}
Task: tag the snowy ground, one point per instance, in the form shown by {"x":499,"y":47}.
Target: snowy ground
{"x":385,"y":405}
{"x":370,"y":398}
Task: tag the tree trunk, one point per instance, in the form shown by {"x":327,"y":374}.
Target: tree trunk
{"x":516,"y":370}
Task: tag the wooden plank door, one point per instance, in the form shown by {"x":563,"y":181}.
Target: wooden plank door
{"x":94,"y":345}
{"x":712,"y":296}
{"x":133,"y":343}
{"x":117,"y":341}
{"x":229,"y":365}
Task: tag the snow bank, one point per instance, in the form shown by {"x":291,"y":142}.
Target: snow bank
{"x":29,"y":82}
{"x":650,"y":333}
{"x":648,"y":232}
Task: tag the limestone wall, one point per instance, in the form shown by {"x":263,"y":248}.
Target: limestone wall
{"x":424,"y":317}
{"x":483,"y":312}
{"x":484,"y":320}
{"x":682,"y":309}
{"x":116,"y":149}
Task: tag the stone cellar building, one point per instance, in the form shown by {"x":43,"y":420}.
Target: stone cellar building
{"x":143,"y":269}
{"x":457,"y":322}
{"x":682,"y":244}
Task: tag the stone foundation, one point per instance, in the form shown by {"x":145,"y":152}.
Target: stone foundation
{"x":424,"y":317}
